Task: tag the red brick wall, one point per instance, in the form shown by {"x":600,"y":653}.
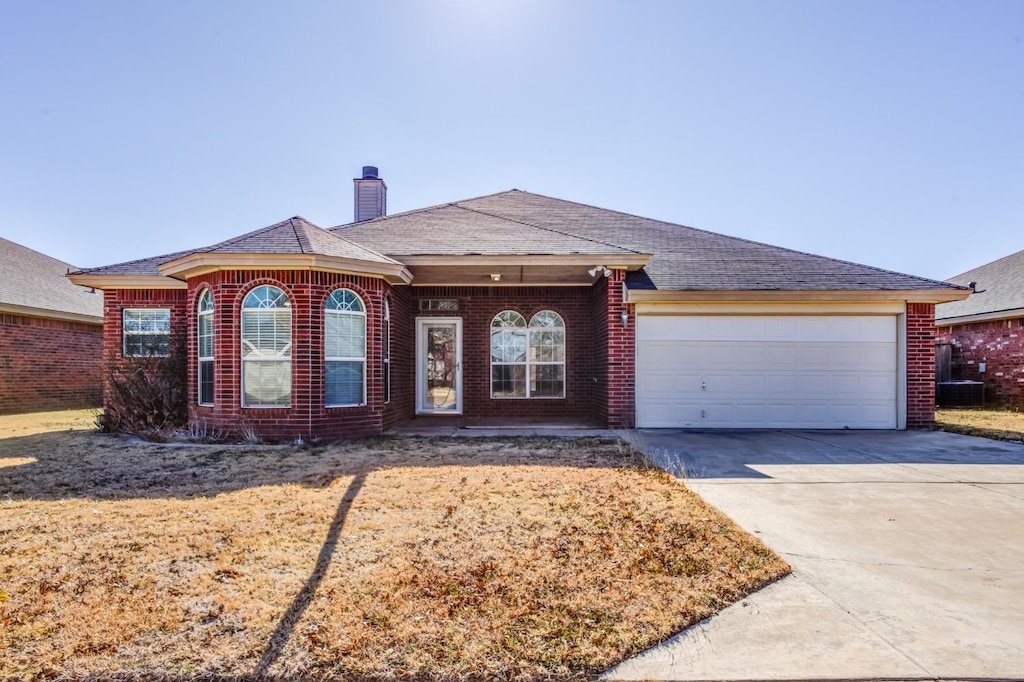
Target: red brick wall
{"x":477,"y":308}
{"x":621,"y":356}
{"x":1000,"y":345}
{"x":49,"y":364}
{"x":403,"y":357}
{"x":307,"y":416}
{"x":920,"y":365}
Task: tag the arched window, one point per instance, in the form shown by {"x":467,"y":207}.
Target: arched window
{"x":345,"y":349}
{"x":386,"y":350}
{"x":204,"y":334}
{"x":266,"y":348}
{"x":547,"y":355}
{"x":508,"y":355}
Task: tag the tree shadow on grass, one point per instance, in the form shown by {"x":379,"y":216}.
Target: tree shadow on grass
{"x":283,"y":632}
{"x":88,"y":464}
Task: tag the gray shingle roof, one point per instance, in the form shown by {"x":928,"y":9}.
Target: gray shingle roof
{"x":294,"y":235}
{"x":1000,"y":287}
{"x":466,"y":228}
{"x":30,"y":279}
{"x":683,"y":258}
{"x":517,"y":223}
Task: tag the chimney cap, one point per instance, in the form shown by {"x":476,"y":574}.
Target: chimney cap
{"x":369,"y":172}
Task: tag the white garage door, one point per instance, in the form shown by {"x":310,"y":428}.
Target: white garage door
{"x":811,"y":372}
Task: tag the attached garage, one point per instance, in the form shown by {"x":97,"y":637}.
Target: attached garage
{"x":768,"y":371}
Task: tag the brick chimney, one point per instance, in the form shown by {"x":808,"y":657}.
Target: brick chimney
{"x":371,"y":195}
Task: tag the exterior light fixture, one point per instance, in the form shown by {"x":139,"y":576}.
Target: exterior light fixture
{"x":599,"y":268}
{"x":496,"y":277}
{"x":624,"y":317}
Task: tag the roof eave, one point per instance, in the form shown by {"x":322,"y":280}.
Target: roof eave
{"x":690,"y":295}
{"x":195,"y":264}
{"x":981,"y":317}
{"x":114,"y":281}
{"x":614,"y":261}
{"x":29,"y":311}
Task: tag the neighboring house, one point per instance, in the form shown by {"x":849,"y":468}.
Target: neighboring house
{"x":516,"y":305}
{"x":51,"y":333}
{"x":986,"y":330}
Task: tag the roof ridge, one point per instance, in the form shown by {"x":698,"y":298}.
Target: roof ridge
{"x":363,"y":248}
{"x":750,"y":241}
{"x":302,"y":238}
{"x":246,"y":235}
{"x":419,"y":210}
{"x":541,"y":227}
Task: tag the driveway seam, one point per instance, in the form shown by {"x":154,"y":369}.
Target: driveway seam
{"x":864,"y":624}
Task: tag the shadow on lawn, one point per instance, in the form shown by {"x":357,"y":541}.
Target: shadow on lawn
{"x":283,"y":632}
{"x":88,"y":464}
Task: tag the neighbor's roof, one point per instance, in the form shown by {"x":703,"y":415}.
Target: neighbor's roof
{"x":33,"y":283}
{"x":999,"y":289}
{"x":683,"y":258}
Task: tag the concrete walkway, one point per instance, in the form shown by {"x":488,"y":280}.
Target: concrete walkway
{"x":907,"y":551}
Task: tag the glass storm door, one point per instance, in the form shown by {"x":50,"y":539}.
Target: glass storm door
{"x":439,"y":365}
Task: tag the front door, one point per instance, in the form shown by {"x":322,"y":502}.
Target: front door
{"x":439,"y":365}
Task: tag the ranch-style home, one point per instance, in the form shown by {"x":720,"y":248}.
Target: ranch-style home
{"x":521,"y":306}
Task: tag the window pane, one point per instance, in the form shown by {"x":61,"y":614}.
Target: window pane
{"x":147,"y":345}
{"x":547,"y":345}
{"x":206,"y":382}
{"x":267,"y":383}
{"x":344,"y":381}
{"x":546,"y":318}
{"x":346,"y":335}
{"x":266,"y":333}
{"x":508,"y":381}
{"x":547,"y":381}
{"x":508,"y":318}
{"x":346,"y":300}
{"x":205,"y":336}
{"x":508,"y":345}
{"x":266,"y":296}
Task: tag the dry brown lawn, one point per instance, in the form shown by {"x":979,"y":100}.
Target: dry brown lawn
{"x":390,"y":558}
{"x":996,"y":424}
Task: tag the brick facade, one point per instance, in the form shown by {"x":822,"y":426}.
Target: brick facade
{"x":599,"y":366}
{"x":619,"y":358}
{"x":48,"y":364}
{"x":997,"y":343}
{"x":920,"y":365}
{"x":477,"y":308}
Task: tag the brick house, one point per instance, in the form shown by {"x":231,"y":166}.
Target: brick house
{"x":51,"y":332}
{"x":521,"y":306}
{"x":986,"y":330}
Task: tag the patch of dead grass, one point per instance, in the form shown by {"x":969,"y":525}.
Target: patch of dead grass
{"x":510,"y":558}
{"x":995,"y":424}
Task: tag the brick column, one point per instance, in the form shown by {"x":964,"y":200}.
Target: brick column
{"x":920,"y":365}
{"x":621,"y":356}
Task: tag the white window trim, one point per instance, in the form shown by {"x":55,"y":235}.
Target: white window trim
{"x":279,"y":359}
{"x":386,"y":352}
{"x":527,"y":363}
{"x":125,"y":333}
{"x":332,"y":358}
{"x":200,"y":358}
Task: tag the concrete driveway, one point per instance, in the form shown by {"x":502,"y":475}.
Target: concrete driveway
{"x":907,"y":551}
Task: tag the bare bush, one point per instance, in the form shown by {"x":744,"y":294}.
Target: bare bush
{"x":147,"y":395}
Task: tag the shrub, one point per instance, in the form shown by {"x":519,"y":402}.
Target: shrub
{"x":147,"y":395}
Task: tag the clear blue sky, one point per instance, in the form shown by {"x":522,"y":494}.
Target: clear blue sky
{"x":887,"y":133}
